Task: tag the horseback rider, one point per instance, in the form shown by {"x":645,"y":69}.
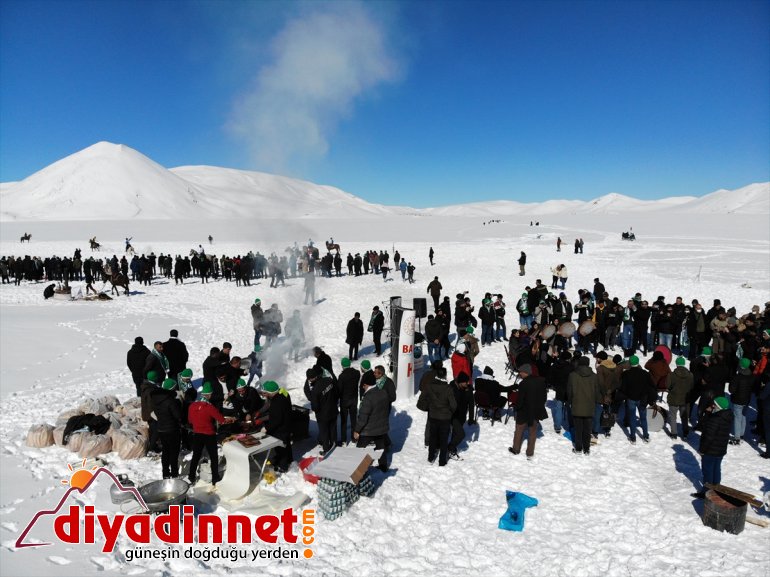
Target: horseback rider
{"x":128,"y":243}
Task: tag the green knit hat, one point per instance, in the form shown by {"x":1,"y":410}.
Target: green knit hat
{"x":366,"y":365}
{"x":241,"y":384}
{"x":487,"y":301}
{"x":270,"y":387}
{"x":187,"y":373}
{"x":169,"y":384}
{"x":744,"y":363}
{"x":680,"y":361}
{"x":469,"y":329}
{"x":207,"y":389}
{"x":152,"y":376}
{"x":722,"y":403}
{"x":706,"y":352}
{"x":345,"y":362}
{"x":634,"y":361}
{"x":257,"y":301}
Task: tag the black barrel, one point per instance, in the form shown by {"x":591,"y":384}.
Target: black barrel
{"x":724,"y":513}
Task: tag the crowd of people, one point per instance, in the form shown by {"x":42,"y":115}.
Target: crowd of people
{"x":240,"y":269}
{"x":591,"y":352}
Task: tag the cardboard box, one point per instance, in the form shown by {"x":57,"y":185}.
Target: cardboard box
{"x":345,"y":464}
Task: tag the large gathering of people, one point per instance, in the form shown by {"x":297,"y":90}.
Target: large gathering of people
{"x":606,"y":358}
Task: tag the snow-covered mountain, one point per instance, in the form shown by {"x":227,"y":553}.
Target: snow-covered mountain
{"x":114,"y":182}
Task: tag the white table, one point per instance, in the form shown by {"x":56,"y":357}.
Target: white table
{"x":237,"y":480}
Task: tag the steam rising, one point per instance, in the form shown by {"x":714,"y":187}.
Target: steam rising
{"x":321,"y":63}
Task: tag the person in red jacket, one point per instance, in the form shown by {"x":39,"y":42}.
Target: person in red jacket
{"x":203,"y":416}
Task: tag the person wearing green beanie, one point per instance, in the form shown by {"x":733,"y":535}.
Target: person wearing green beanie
{"x":525,"y":316}
{"x":367,"y":375}
{"x":277,"y":418}
{"x":487,"y":318}
{"x":715,"y":425}
{"x":636,"y":387}
{"x":741,"y":388}
{"x":146,"y":390}
{"x":203,"y":418}
{"x":184,"y":380}
{"x":347,"y":384}
{"x":680,"y":384}
{"x":247,"y":402}
{"x":167,"y":409}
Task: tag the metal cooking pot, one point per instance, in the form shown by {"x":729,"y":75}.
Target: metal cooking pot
{"x":160,"y":495}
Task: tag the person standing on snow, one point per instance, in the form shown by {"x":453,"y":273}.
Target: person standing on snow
{"x":354,"y":335}
{"x":376,"y":326}
{"x":715,"y":428}
{"x":522,"y":263}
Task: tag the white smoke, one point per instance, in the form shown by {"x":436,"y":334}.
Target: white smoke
{"x":321,"y":62}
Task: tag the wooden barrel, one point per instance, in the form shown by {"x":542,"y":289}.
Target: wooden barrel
{"x":724,"y":513}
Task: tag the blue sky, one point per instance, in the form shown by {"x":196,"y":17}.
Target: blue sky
{"x":420,"y":103}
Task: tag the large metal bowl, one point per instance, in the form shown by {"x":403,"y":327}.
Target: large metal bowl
{"x":160,"y":495}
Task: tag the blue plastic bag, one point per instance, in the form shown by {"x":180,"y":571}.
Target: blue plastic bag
{"x":513,"y":518}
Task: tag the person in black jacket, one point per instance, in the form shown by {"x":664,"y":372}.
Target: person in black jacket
{"x":323,"y":397}
{"x":433,"y":330}
{"x":157,"y":361}
{"x":641,"y":323}
{"x":636,"y":387}
{"x":347,"y":385}
{"x":247,"y":403}
{"x":176,"y":353}
{"x":168,"y":412}
{"x":715,"y":432}
{"x":277,"y":418}
{"x":354,"y":334}
{"x":741,"y":387}
{"x":376,"y":326}
{"x":210,"y":365}
{"x":460,"y":389}
{"x":373,"y":422}
{"x":323,"y":362}
{"x":487,"y":384}
{"x":530,"y":410}
{"x":441,"y":406}
{"x":135,"y":359}
{"x":557,"y":377}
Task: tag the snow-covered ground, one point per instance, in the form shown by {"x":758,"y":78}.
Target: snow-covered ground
{"x":625,"y":510}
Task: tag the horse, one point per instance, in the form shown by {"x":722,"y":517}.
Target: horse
{"x":94,"y":245}
{"x":332,"y":246}
{"x":26,"y":237}
{"x":117,"y":279}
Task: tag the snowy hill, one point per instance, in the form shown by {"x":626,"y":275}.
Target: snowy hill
{"x":751,"y":199}
{"x":114,"y":182}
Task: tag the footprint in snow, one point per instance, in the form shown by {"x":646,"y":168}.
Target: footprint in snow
{"x":59,"y":560}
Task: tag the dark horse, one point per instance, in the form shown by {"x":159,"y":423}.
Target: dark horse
{"x":94,"y":245}
{"x":332,"y":246}
{"x":26,"y":237}
{"x":117,"y":279}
